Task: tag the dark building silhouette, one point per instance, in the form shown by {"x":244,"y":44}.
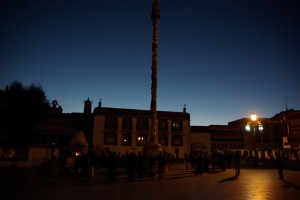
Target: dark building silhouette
{"x":126,"y":130}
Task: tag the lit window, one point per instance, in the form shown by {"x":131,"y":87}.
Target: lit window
{"x":126,"y":139}
{"x":247,"y":127}
{"x":141,"y":139}
{"x":176,"y":125}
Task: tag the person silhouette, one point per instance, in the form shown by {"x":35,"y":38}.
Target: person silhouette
{"x":160,"y":164}
{"x":237,"y":163}
{"x":279,"y":165}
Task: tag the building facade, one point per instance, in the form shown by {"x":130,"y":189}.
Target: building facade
{"x":200,"y":139}
{"x":217,"y":138}
{"x":126,"y":130}
{"x":286,"y":124}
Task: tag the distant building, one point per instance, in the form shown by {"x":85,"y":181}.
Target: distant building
{"x":58,"y":128}
{"x":286,"y":125}
{"x":264,"y":140}
{"x":125,"y":130}
{"x":280,"y":133}
{"x":217,"y":138}
{"x":53,"y":134}
{"x":200,"y":139}
{"x":226,"y":138}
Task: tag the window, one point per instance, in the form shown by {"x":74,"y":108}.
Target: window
{"x":176,"y":125}
{"x":163,"y":139}
{"x":127,"y":123}
{"x":110,"y":139}
{"x":142,"y":123}
{"x":163,"y":125}
{"x":141,"y":139}
{"x":177,"y":140}
{"x":111,"y":122}
{"x":126,"y":139}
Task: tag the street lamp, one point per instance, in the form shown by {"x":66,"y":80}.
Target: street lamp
{"x":253,"y":124}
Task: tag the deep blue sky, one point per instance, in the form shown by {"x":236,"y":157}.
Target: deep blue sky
{"x":223,"y":59}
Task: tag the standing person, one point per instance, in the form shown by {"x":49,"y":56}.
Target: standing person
{"x":92,"y":163}
{"x":193,"y":160}
{"x":205,"y":162}
{"x":160,"y":164}
{"x":237,"y":163}
{"x":151,"y":164}
{"x":199,"y":164}
{"x":279,"y":165}
{"x":132,"y":165}
{"x":141,"y":168}
{"x":112,"y":165}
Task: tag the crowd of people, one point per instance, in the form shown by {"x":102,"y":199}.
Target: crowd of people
{"x":204,"y":161}
{"x":136,"y":165}
{"x":140,"y":165}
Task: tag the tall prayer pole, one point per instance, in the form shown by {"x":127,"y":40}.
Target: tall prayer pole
{"x":154,"y":17}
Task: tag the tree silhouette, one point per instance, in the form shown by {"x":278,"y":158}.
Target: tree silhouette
{"x":23,"y":107}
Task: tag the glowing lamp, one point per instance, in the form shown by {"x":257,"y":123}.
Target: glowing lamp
{"x":253,"y":117}
{"x":260,"y":127}
{"x":247,"y":127}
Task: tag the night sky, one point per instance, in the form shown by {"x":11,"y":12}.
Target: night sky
{"x":224,"y":59}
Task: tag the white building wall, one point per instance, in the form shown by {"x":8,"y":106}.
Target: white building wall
{"x":98,"y":137}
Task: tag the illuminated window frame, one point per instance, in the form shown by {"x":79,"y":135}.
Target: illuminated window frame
{"x":126,"y":140}
{"x":176,"y":125}
{"x":141,"y":139}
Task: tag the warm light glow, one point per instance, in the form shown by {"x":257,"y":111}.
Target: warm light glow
{"x":247,"y":127}
{"x":258,"y":186}
{"x":255,"y":123}
{"x":260,"y":127}
{"x":77,"y":154}
{"x":253,"y":117}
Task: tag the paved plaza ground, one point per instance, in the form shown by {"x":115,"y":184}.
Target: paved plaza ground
{"x":177,"y":183}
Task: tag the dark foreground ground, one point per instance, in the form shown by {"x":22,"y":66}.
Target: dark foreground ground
{"x":178,"y":183}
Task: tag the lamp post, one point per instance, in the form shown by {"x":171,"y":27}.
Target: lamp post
{"x":254,"y":123}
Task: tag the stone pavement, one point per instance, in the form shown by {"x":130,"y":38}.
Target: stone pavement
{"x":177,"y":183}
